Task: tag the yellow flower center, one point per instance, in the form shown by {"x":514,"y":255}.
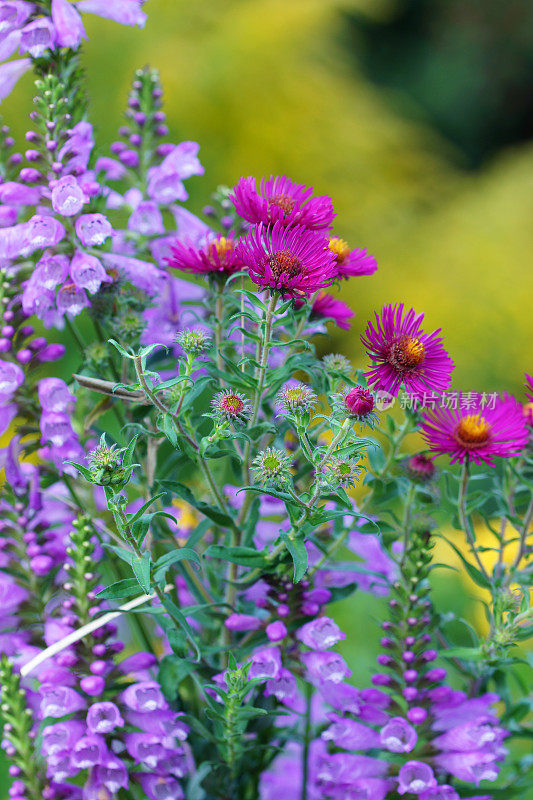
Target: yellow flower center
{"x":340,"y":248}
{"x":223,"y":247}
{"x":232,"y":404}
{"x":473,"y":431}
{"x":407,"y":353}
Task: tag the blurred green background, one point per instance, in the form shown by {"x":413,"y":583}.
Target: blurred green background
{"x":414,"y":115}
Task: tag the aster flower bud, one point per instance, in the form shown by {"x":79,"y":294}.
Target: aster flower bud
{"x":342,"y":471}
{"x":420,"y":468}
{"x":295,"y":399}
{"x":272,"y":466}
{"x":105,"y":465}
{"x":357,"y":404}
{"x":338,"y":365}
{"x":231,"y":406}
{"x":193,"y":341}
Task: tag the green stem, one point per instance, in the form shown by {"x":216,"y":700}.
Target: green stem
{"x":306,"y":741}
{"x":465,"y":520}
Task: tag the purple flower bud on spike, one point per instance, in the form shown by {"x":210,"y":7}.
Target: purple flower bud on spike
{"x":242,"y":622}
{"x":57,"y":701}
{"x":276,"y":631}
{"x":417,"y":715}
{"x":92,"y":685}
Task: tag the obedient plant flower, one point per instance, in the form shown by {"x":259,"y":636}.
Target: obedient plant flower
{"x":403,"y":354}
{"x":281,"y":200}
{"x":293,"y":261}
{"x":476,"y":432}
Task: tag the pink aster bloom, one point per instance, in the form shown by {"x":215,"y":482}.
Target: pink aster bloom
{"x":476,"y":432}
{"x":326,"y":305}
{"x":219,"y":256}
{"x":281,"y":200}
{"x":403,"y":353}
{"x":351,"y":263}
{"x":294,"y":261}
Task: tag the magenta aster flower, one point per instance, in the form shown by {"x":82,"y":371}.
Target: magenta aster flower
{"x":477,"y":432}
{"x":281,"y":200}
{"x":328,"y":306}
{"x":294,"y":261}
{"x":403,"y":353}
{"x":219,"y":256}
{"x":351,"y":263}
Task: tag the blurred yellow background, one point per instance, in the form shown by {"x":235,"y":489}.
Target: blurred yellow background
{"x":271,"y":86}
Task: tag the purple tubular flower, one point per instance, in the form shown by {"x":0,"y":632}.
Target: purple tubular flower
{"x":350,"y":735}
{"x":93,"y":229}
{"x":147,"y":219}
{"x":293,"y":261}
{"x":415,"y":777}
{"x":242,"y":622}
{"x":62,"y":736}
{"x":322,"y":666}
{"x":144,"y":696}
{"x":477,"y":433}
{"x":321,"y":633}
{"x":50,"y":271}
{"x":141,"y":274}
{"x":125,"y":12}
{"x":281,"y":200}
{"x":165,"y":182}
{"x":68,"y":197}
{"x":17,"y":194}
{"x":89,"y":751}
{"x":276,"y":631}
{"x":11,"y":594}
{"x":10,"y":73}
{"x":398,"y":736}
{"x":266,"y":663}
{"x":160,"y":787}
{"x":112,"y":774}
{"x":37,"y":37}
{"x":87,"y":272}
{"x":442,"y":792}
{"x":68,"y":25}
{"x":54,"y":394}
{"x":103,"y":717}
{"x":44,"y":231}
{"x":403,"y":353}
{"x":57,"y":701}
{"x":145,"y":748}
{"x":11,"y":377}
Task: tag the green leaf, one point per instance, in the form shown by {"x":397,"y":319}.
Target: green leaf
{"x":126,"y":555}
{"x":165,"y":561}
{"x":476,"y":574}
{"x":141,"y":570}
{"x":134,"y":517}
{"x":82,"y":470}
{"x":296,"y":548}
{"x":464,"y":653}
{"x":128,"y":453}
{"x":121,"y":350}
{"x":165,"y":424}
{"x":141,"y":526}
{"x":245,"y":556}
{"x":119,"y":590}
{"x":172,"y":671}
{"x":199,"y":532}
{"x":215,"y":514}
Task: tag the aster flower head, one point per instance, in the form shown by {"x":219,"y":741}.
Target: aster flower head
{"x":295,"y":398}
{"x":351,"y":263}
{"x":281,"y":200}
{"x":193,"y":341}
{"x":293,"y":261}
{"x":105,"y":464}
{"x":328,"y":306}
{"x":476,"y":432}
{"x":272,"y":466}
{"x":231,"y":406}
{"x":403,"y":353}
{"x":218,"y":257}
